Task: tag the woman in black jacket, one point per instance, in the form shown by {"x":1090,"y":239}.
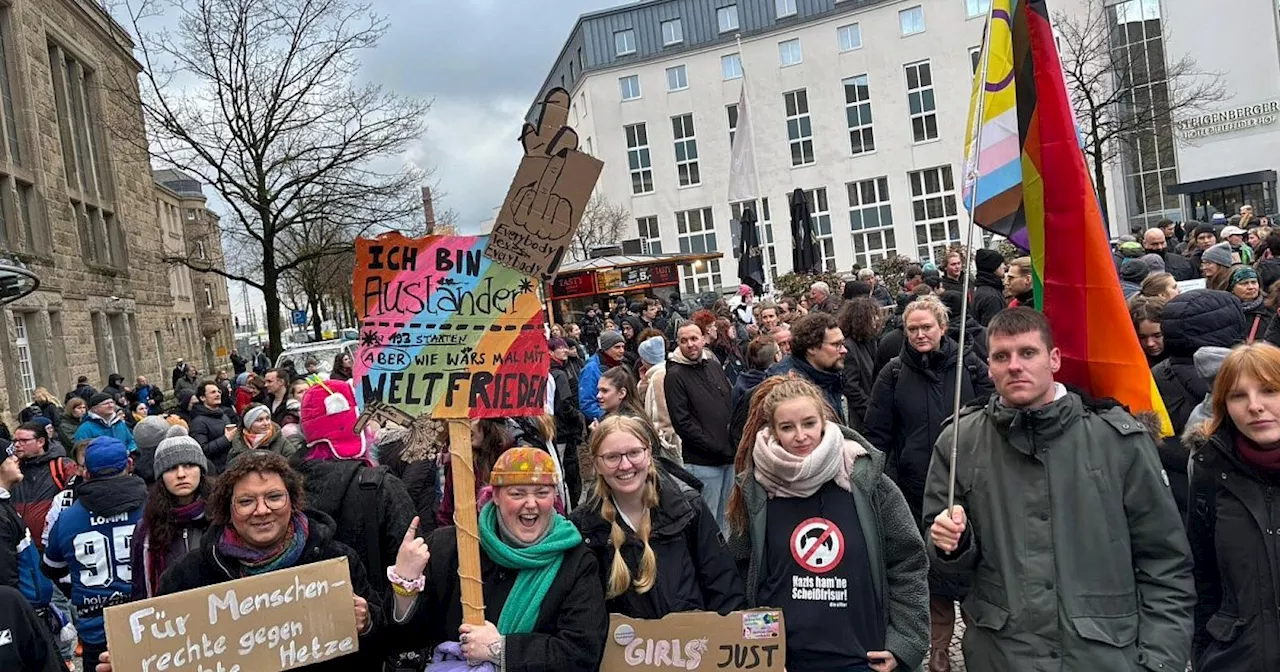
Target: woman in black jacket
{"x":258,"y":526}
{"x":1235,"y":466}
{"x":656,"y":543}
{"x":912,"y":397}
{"x":213,"y":425}
{"x":1245,"y":286}
{"x":860,"y":320}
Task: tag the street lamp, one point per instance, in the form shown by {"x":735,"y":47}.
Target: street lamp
{"x":15,"y":281}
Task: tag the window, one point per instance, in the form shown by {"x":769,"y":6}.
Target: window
{"x":857,"y":111}
{"x":911,"y":20}
{"x":975,"y":58}
{"x":13,"y":142}
{"x":677,"y":78}
{"x":200,"y":250}
{"x":799,"y":129}
{"x":976,"y":8}
{"x":672,"y":33}
{"x":933,"y":208}
{"x":820,"y":213}
{"x":924,"y":121}
{"x":789,"y":52}
{"x":630,"y":87}
{"x":732,"y":111}
{"x":766,"y":233}
{"x":731,"y":66}
{"x":850,"y":37}
{"x":85,"y":161}
{"x":208,"y":297}
{"x":638,"y":159}
{"x":727,"y":18}
{"x":18,"y":230}
{"x":650,"y":237}
{"x":871,"y":221}
{"x":26,"y":372}
{"x":785,"y":7}
{"x":624,"y":42}
{"x":697,"y":235}
{"x":686,"y":150}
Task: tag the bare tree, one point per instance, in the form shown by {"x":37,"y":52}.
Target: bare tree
{"x":259,"y":100}
{"x":602,"y":224}
{"x":1122,"y":97}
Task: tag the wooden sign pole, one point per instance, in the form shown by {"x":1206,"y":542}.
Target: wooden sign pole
{"x":465,"y":521}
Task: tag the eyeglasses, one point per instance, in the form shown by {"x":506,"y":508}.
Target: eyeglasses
{"x":633,"y":456}
{"x":274,"y":501}
{"x":30,"y":440}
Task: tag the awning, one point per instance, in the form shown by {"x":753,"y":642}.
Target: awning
{"x":1257,"y":177}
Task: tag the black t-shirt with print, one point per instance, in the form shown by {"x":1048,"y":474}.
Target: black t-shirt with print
{"x":816,"y":569}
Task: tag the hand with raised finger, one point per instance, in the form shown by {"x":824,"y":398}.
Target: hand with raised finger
{"x":546,"y":148}
{"x":413,"y":555}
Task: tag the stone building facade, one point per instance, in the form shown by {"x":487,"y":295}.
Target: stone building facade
{"x":77,"y":206}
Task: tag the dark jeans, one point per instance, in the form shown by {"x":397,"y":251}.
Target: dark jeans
{"x":90,"y":653}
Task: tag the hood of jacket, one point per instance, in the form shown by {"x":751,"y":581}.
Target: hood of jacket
{"x":637,"y":326}
{"x":832,"y":381}
{"x":985,"y":279}
{"x":1207,"y":360}
{"x":327,"y":482}
{"x":750,"y":379}
{"x":1203,"y":317}
{"x":679,"y":358}
{"x":320,"y":530}
{"x":201,"y":410}
{"x":937,"y":361}
{"x":1020,"y":425}
{"x":109,"y":496}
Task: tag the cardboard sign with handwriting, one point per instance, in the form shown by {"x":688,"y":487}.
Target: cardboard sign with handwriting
{"x":743,"y":640}
{"x":446,"y":332}
{"x":546,"y":200}
{"x":275,"y":621}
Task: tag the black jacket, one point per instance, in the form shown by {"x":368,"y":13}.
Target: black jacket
{"x":975,"y":335}
{"x":695,"y":570}
{"x":572,"y":623}
{"x":419,"y":470}
{"x":912,"y":397}
{"x":570,"y":423}
{"x":1177,"y":265}
{"x":28,"y":646}
{"x":747,"y":383}
{"x":1237,"y":562}
{"x":357,"y":496}
{"x":698,"y":398}
{"x":205,"y":567}
{"x":890,"y":343}
{"x":859,"y":377}
{"x":1257,"y":318}
{"x":207,"y":428}
{"x":988,"y":297}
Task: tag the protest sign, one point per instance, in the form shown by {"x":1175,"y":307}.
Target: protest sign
{"x":1190,"y":285}
{"x":546,"y":200}
{"x":275,"y":621}
{"x":743,"y":640}
{"x":445,"y":331}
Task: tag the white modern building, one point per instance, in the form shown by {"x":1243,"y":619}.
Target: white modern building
{"x":860,"y":103}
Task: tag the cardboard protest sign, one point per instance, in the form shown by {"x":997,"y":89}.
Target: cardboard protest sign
{"x":548,"y":195}
{"x":743,"y":640}
{"x":275,"y":621}
{"x":446,"y":332}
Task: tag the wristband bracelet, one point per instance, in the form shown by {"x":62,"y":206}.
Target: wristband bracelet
{"x":402,"y":591}
{"x":411,"y":586}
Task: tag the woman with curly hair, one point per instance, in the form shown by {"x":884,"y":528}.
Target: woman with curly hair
{"x":860,"y":321}
{"x":725,"y":347}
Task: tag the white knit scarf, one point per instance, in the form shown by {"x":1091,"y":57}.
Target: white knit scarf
{"x":782,"y":474}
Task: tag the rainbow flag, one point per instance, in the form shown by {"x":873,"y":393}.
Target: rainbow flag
{"x":1026,"y":178}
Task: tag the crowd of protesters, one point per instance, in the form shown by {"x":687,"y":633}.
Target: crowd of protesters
{"x":714,"y":456}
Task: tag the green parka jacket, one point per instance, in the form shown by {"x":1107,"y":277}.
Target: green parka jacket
{"x":1074,"y":548}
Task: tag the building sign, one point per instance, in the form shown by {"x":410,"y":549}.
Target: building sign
{"x":663,"y":275}
{"x":570,"y":286}
{"x":1229,"y":121}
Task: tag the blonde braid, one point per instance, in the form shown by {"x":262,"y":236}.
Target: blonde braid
{"x":620,"y":577}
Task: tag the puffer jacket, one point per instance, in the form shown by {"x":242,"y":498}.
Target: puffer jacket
{"x":1237,"y":562}
{"x":208,"y":427}
{"x":911,"y":399}
{"x":1075,"y":553}
{"x":284,"y":446}
{"x":92,"y":426}
{"x":695,"y":572}
{"x":899,"y":562}
{"x":988,"y":297}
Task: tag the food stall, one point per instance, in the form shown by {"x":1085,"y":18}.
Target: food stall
{"x":635,"y":277}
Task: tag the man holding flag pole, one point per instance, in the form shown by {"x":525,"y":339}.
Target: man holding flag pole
{"x":1053,"y":504}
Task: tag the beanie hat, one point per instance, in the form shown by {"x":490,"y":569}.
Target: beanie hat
{"x":328,"y":422}
{"x":987,"y":260}
{"x":177,"y":448}
{"x":1202,"y":228}
{"x":174,"y":421}
{"x":1154,"y":262}
{"x":1240,"y":275}
{"x":1132,"y":249}
{"x":150,"y":431}
{"x":99,"y":398}
{"x":524,"y":465}
{"x":1219,"y":254}
{"x":652,"y":351}
{"x":608,"y":339}
{"x":106,"y":456}
{"x":253,"y":414}
{"x":745,"y":290}
{"x":1134,"y":270}
{"x":557,"y":343}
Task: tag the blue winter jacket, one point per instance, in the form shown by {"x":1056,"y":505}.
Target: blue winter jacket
{"x":587,"y":383}
{"x":94,"y":426}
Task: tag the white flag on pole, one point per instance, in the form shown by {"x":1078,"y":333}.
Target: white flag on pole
{"x":742,"y":157}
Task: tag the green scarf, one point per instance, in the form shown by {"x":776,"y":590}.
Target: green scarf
{"x":537,"y":566}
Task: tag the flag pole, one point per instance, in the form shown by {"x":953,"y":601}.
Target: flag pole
{"x":755,"y":163}
{"x":971,"y":173}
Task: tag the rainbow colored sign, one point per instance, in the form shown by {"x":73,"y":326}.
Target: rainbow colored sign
{"x":445,"y":331}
